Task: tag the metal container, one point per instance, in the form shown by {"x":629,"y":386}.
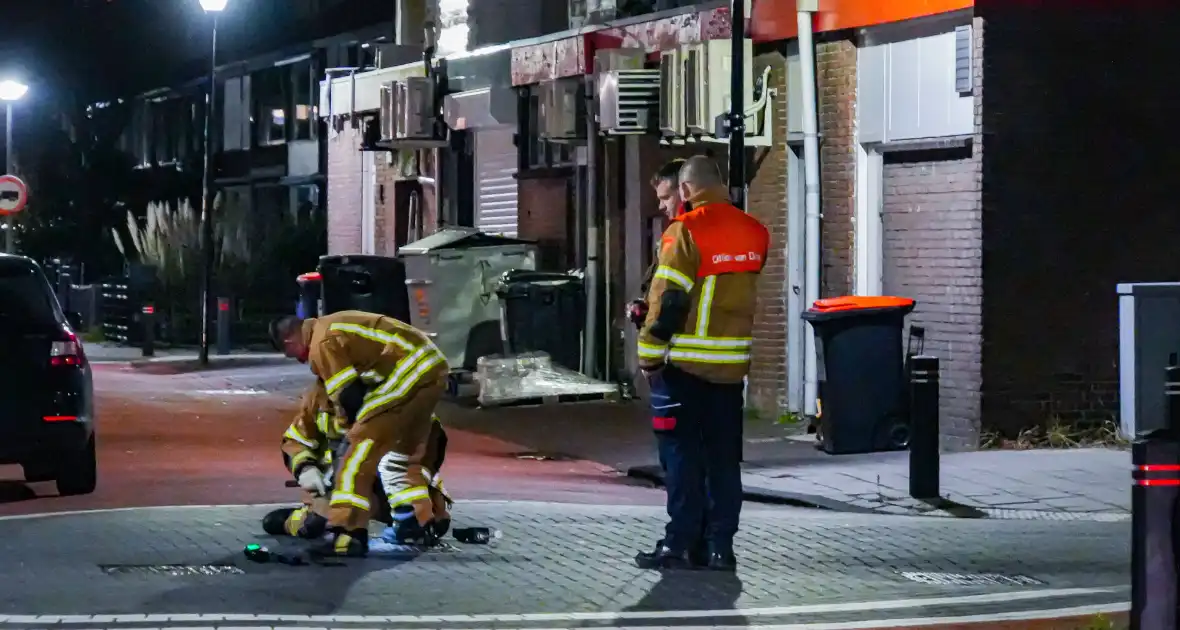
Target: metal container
{"x":452,"y":277}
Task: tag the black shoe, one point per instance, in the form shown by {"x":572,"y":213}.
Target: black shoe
{"x":354,"y":544}
{"x":275,"y":522}
{"x":410,"y":532}
{"x":699,"y":556}
{"x":722,"y":561}
{"x":662,"y":557}
{"x":442,"y":526}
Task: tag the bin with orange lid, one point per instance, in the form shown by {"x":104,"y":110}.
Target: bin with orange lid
{"x":861,"y":372}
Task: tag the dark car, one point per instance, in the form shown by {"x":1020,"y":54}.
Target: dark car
{"x":46,"y":387}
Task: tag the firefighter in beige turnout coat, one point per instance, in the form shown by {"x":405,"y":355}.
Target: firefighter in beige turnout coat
{"x":400,"y":375}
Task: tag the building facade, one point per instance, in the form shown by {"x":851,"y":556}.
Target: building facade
{"x":909,"y":96}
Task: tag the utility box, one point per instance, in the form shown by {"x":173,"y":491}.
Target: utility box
{"x":1149,"y":341}
{"x":452,"y":277}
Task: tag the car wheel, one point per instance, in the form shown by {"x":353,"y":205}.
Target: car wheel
{"x":79,"y":474}
{"x":38,"y":472}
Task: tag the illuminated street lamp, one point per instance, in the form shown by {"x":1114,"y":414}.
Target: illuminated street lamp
{"x":212,"y":7}
{"x":10,"y":91}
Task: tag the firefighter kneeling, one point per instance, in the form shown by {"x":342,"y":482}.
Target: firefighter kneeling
{"x":308,"y":448}
{"x":388,"y":376}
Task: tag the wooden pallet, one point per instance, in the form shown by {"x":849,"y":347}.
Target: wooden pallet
{"x":553,"y":400}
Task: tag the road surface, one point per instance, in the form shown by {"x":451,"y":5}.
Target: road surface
{"x":568,"y":532}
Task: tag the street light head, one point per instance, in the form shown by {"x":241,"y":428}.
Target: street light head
{"x":214,"y":6}
{"x":12,"y":90}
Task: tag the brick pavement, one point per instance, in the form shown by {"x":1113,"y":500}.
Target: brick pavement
{"x":1074,"y":484}
{"x":556,"y":564}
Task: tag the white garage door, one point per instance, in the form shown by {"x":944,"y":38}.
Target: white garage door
{"x":495,"y":185}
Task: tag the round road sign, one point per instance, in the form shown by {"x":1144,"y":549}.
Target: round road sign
{"x":14,"y":195}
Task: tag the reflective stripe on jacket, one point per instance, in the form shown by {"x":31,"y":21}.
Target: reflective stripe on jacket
{"x":314,"y":431}
{"x":714,"y":253}
{"x":390,"y":357}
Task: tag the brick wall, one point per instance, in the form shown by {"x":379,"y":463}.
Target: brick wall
{"x":836,"y":82}
{"x":767,"y":201}
{"x":1076,"y":200}
{"x":544,"y":216}
{"x":344,"y":192}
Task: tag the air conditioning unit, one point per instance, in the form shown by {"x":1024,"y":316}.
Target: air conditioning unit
{"x":414,"y":104}
{"x":671,"y":99}
{"x":562,"y":110}
{"x":628,"y":101}
{"x":707,"y":76}
{"x":386,"y":115}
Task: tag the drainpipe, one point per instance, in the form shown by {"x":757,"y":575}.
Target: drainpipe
{"x":590,"y":340}
{"x":810,"y":106}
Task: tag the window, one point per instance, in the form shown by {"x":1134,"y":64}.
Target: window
{"x":25,"y":303}
{"x":303,"y":106}
{"x":306,"y":203}
{"x":271,"y":91}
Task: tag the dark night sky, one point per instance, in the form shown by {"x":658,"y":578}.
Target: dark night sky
{"x":101,"y":48}
{"x":90,"y":46}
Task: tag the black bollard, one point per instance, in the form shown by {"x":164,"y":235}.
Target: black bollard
{"x":148,"y":318}
{"x":1155,"y":498}
{"x":924,"y":462}
{"x":223,"y":321}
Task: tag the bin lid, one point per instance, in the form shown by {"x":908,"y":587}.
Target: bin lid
{"x":860,"y":302}
{"x":456,"y":238}
{"x":311,"y":276}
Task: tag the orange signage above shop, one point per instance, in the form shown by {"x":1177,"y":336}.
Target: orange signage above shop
{"x":776,"y":19}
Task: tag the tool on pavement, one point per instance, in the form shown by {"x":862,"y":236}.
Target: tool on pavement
{"x":257,"y":553}
{"x":474,"y":535}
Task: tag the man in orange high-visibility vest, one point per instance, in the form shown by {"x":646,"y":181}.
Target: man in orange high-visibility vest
{"x":694,"y":348}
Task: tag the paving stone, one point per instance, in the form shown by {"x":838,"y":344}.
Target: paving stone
{"x":556,"y":559}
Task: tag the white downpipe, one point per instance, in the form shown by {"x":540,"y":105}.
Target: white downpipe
{"x":811,"y":268}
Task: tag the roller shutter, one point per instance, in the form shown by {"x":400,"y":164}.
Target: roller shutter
{"x":495,"y":181}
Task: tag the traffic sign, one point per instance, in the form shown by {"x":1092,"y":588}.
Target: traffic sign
{"x":14,"y":195}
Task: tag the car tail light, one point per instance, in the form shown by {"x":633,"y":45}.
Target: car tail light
{"x":67,"y":352}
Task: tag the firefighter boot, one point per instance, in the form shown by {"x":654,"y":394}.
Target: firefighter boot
{"x":408,"y":531}
{"x":343,"y":544}
{"x":300,"y":522}
{"x":275,"y":523}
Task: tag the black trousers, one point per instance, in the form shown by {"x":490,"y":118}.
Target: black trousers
{"x":698,"y":426}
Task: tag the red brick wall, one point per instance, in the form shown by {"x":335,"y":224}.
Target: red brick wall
{"x":836,"y":79}
{"x":544,"y":215}
{"x":344,"y":192}
{"x":767,"y":201}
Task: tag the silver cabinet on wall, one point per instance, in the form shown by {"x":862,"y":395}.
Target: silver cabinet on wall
{"x":909,"y":88}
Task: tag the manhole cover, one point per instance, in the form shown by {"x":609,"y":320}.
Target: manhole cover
{"x":971,"y":579}
{"x":173,"y":570}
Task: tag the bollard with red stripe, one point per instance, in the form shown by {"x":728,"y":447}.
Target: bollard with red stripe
{"x":1155,"y":517}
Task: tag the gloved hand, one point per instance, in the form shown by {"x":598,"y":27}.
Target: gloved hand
{"x":312,"y":480}
{"x":637,"y":312}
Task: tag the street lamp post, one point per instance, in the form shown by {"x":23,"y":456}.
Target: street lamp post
{"x":213,"y":8}
{"x":10,"y":92}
